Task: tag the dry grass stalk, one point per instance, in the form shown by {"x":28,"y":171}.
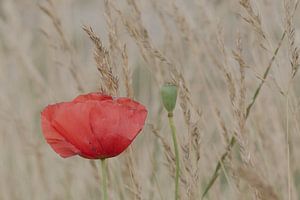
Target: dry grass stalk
{"x":152,"y":55}
{"x":112,"y":29}
{"x":130,"y":165}
{"x":240,"y":109}
{"x":11,"y":40}
{"x":139,"y":33}
{"x":225,"y":69}
{"x":182,"y":24}
{"x":73,"y":68}
{"x":115,"y":51}
{"x":50,"y":12}
{"x":248,"y":109}
{"x":102,"y":57}
{"x":233,"y":139}
{"x":127,"y":73}
{"x":167,"y":149}
{"x":266,"y":192}
{"x":289,"y":7}
{"x":169,"y":40}
{"x":293,"y":51}
{"x":174,"y":41}
{"x":222,"y":124}
{"x":253,"y":19}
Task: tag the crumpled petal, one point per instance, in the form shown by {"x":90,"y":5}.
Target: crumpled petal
{"x":92,"y":96}
{"x":59,"y":144}
{"x":116,"y":123}
{"x":72,"y":121}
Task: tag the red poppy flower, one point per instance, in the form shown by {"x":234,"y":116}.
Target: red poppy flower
{"x":93,"y":126}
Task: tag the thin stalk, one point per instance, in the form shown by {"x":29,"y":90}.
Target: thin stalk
{"x":218,"y":167}
{"x":248,"y":109}
{"x":174,"y":137}
{"x":288,"y":149}
{"x":104,"y":179}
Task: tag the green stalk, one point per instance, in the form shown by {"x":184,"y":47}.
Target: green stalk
{"x":174,"y":137}
{"x":104,"y":179}
{"x":249,"y":107}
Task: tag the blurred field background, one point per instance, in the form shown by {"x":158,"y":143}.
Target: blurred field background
{"x":224,"y":55}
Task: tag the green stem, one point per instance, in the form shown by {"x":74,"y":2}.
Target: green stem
{"x":218,"y":167}
{"x":248,"y":109}
{"x":104,"y":179}
{"x":174,"y":136}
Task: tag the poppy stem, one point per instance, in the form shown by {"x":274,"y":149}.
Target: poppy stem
{"x":174,"y":137}
{"x":104,"y":179}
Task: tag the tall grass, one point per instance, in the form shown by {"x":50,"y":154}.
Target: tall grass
{"x":236,"y":65}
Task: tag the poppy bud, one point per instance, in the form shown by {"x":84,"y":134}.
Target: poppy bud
{"x":168,"y":94}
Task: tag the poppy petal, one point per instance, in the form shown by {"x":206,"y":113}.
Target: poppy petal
{"x":134,"y":115}
{"x":59,"y":144}
{"x":72,"y":120}
{"x":116,"y":125}
{"x":92,"y":96}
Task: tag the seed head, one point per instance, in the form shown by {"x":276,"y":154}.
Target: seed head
{"x":168,"y":94}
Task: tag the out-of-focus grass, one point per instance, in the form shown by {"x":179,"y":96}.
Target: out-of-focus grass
{"x":192,"y":42}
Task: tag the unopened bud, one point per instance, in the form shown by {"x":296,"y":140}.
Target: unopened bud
{"x":168,"y":94}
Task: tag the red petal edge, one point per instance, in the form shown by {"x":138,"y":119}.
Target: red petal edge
{"x":58,"y":143}
{"x":136,"y":113}
{"x":92,"y":96}
{"x":73,"y":122}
